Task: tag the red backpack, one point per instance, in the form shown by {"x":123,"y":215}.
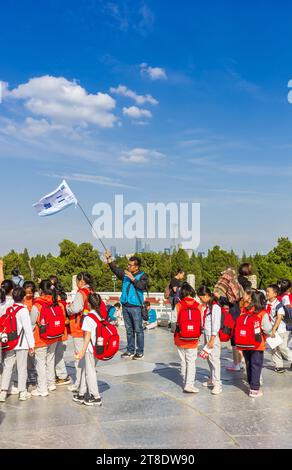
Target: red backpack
{"x":107,"y":338}
{"x":8,"y":328}
{"x":248,"y":333}
{"x":227,"y":326}
{"x":189,"y":324}
{"x":51,"y":320}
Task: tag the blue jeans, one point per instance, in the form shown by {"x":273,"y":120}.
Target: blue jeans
{"x":134,"y":328}
{"x":254,"y":364}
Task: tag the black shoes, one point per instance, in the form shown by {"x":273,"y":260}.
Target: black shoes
{"x":280,"y":370}
{"x":138,"y":356}
{"x":127,"y":355}
{"x":91,"y":400}
{"x":78,"y":398}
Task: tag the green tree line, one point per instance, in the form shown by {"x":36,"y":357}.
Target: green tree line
{"x":160,"y":267}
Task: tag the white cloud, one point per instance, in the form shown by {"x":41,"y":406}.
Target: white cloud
{"x":122,"y":90}
{"x":65,"y":101}
{"x":85,"y":178}
{"x":137,"y":113}
{"x":140,"y":155}
{"x":154,"y":73}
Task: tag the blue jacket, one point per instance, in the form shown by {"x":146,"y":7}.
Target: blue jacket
{"x":152,"y":317}
{"x":130,"y":294}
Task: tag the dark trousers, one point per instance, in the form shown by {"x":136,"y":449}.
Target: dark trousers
{"x":134,"y":328}
{"x":254,"y":363}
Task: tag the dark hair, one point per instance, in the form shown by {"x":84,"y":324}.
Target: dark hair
{"x":186,"y":290}
{"x":18,"y":294}
{"x":29,"y":285}
{"x":48,"y":288}
{"x":275,"y":288}
{"x":54,"y":279}
{"x":179,"y":271}
{"x":86,"y":277}
{"x":15,"y":272}
{"x":245,"y":269}
{"x":61,"y":291}
{"x":94,"y":300}
{"x":258,"y":300}
{"x":117,"y":305}
{"x":136,"y":260}
{"x":204,"y":290}
{"x":6,"y":288}
{"x":284,"y":285}
{"x":147,"y":303}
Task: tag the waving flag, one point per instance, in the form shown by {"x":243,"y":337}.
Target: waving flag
{"x":56,"y":201}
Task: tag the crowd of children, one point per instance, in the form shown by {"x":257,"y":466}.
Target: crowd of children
{"x":261,"y":315}
{"x":37,"y":350}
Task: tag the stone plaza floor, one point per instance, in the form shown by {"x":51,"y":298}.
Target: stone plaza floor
{"x":144,"y":407}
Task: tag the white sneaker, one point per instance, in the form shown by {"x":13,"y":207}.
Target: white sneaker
{"x":209,"y":383}
{"x":3,"y":396}
{"x":37,"y":393}
{"x":13,"y":390}
{"x":52,"y":388}
{"x":72,"y":388}
{"x":23,"y":396}
{"x":217,"y":389}
{"x":191,"y":389}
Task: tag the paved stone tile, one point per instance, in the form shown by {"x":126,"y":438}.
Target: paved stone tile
{"x":192,"y":431}
{"x":128,"y":367}
{"x":281,"y":441}
{"x":144,"y":407}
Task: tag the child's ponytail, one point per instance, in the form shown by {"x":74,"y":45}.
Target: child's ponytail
{"x":2,"y":295}
{"x":95,"y":301}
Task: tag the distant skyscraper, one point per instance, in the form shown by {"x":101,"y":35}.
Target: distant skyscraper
{"x":113,"y":250}
{"x":138,"y":247}
{"x":147,"y":247}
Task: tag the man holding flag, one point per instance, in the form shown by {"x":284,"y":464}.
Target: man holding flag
{"x":135,"y":282}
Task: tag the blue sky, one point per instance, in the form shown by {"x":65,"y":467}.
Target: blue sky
{"x":159,"y":101}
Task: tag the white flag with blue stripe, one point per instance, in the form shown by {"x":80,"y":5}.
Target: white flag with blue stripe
{"x":56,"y":201}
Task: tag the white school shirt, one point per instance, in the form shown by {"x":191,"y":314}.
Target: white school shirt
{"x":286,"y":300}
{"x":24,"y":328}
{"x":213,"y":320}
{"x":90,"y":325}
{"x":6,"y":304}
{"x":274,"y":314}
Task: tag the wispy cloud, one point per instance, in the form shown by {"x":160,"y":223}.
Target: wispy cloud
{"x":122,"y":90}
{"x":154,"y":73}
{"x":137,"y":113}
{"x":129,"y":16}
{"x":94,"y":179}
{"x":140,"y":155}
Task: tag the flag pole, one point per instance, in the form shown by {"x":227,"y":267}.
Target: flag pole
{"x":90,"y":223}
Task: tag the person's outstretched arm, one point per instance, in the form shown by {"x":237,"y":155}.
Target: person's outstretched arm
{"x":119,"y":272}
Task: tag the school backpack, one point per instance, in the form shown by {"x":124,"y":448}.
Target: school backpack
{"x":189,"y":323}
{"x":288,"y":313}
{"x":8,"y":328}
{"x":248,"y":334}
{"x":227,"y":326}
{"x":51,"y":320}
{"x":229,"y":287}
{"x":107,"y":338}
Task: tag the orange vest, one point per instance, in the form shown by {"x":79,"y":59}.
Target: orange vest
{"x":260,"y":316}
{"x":180,"y":343}
{"x":41,"y":342}
{"x":76,"y":320}
{"x":28,"y":303}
